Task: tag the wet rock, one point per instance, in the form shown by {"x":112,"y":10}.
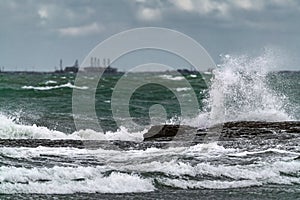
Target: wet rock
{"x":241,"y":129}
{"x":289,"y":126}
{"x":40,"y":142}
{"x":89,"y":144}
{"x":168,"y":132}
{"x":161,"y":135}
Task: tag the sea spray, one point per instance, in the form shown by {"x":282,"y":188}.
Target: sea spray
{"x":240,"y":91}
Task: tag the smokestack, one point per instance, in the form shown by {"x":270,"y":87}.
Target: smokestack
{"x":108,"y":62}
{"x":60,"y":65}
{"x":104,"y":62}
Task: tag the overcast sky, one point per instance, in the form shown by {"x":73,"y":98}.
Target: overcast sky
{"x":35,"y":34}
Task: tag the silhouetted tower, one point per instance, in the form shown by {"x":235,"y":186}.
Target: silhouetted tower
{"x":104,"y":62}
{"x":108,"y":62}
{"x":95,"y":62}
{"x":92,"y":60}
{"x":98,"y":62}
{"x":60,"y":65}
{"x":76,"y":64}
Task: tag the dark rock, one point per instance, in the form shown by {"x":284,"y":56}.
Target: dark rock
{"x":168,"y":132}
{"x":89,"y":144}
{"x":161,"y":135}
{"x":241,"y":129}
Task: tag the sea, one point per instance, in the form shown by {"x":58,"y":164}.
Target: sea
{"x":44,"y":155}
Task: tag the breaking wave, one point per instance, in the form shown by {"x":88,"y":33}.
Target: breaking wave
{"x":67,"y":85}
{"x":9,"y":129}
{"x":240,"y":91}
{"x":141,"y":170}
{"x":170,"y":77}
{"x":68,"y":180}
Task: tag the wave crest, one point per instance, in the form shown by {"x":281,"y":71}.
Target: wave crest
{"x":67,"y":85}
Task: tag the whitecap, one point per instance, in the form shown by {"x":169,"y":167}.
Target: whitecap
{"x":183,"y":89}
{"x":69,"y":180}
{"x":170,"y":77}
{"x":50,"y":82}
{"x":67,"y":85}
{"x":11,"y":130}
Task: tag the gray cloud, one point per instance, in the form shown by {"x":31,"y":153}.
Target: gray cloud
{"x":38,"y":33}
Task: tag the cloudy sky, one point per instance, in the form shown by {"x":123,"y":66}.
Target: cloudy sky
{"x":35,"y":34}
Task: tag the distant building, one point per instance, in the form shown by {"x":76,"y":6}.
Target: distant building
{"x":60,"y":65}
{"x":68,"y":69}
{"x":186,"y":71}
{"x":95,"y":66}
{"x":73,"y":68}
{"x":108,"y":70}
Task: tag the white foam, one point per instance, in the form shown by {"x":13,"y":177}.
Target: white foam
{"x":50,"y":82}
{"x":170,"y":77}
{"x":11,"y":130}
{"x":67,"y":85}
{"x":149,"y":160}
{"x":121,"y":134}
{"x":209,"y":184}
{"x":239,"y":91}
{"x":182,"y":89}
{"x":62,"y":180}
{"x":152,"y":160}
{"x":263,"y":172}
{"x":279,"y":151}
{"x":241,"y":175}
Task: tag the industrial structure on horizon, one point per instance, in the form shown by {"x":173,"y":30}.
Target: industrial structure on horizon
{"x":95,"y":66}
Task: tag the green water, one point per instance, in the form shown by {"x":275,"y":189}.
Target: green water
{"x":35,"y":106}
{"x":52,"y":108}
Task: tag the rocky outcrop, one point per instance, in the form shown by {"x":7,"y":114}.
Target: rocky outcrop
{"x":168,"y":132}
{"x":245,"y":129}
{"x":161,"y":135}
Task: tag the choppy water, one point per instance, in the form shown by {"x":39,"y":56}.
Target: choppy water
{"x":39,"y":106}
